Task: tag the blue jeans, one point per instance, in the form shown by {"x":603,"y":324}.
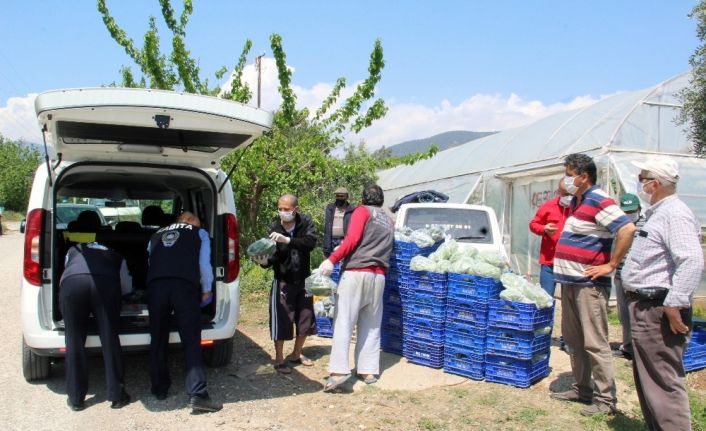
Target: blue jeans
{"x":546,"y":279}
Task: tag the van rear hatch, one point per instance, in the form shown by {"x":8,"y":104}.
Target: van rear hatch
{"x":146,"y":126}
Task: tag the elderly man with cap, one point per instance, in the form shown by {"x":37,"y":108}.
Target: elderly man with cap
{"x":336,"y":218}
{"x":630,"y":204}
{"x":660,"y":276}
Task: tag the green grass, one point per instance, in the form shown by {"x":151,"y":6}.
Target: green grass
{"x":459,"y":393}
{"x":699,"y":312}
{"x":613,"y":317}
{"x":697,"y":403}
{"x":492,"y":399}
{"x":529,"y":415}
{"x":429,"y":424}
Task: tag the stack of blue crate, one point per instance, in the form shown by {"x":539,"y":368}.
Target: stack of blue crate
{"x":467,"y":322}
{"x":324,"y":325}
{"x":391,"y":328}
{"x":424,"y":309}
{"x":695,"y":353}
{"x":517,"y":343}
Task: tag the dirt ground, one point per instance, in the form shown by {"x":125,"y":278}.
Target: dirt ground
{"x":467,"y":404}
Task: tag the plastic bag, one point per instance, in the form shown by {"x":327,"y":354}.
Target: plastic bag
{"x":462,"y":265}
{"x":325,"y":307}
{"x":421,"y":263}
{"x":262,"y":247}
{"x":484,"y":269}
{"x":518,"y":289}
{"x":446,"y":251}
{"x":422,"y":238}
{"x":319,"y":285}
{"x":437,"y":233}
{"x":492,"y":258}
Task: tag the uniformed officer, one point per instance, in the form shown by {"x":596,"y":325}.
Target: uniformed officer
{"x":92,"y":282}
{"x":180,"y":261}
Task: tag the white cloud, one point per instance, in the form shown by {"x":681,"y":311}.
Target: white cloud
{"x":404,"y":121}
{"x":18,"y":120}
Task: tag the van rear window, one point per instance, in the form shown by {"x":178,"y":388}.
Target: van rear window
{"x":464,"y":225}
{"x":75,"y":133}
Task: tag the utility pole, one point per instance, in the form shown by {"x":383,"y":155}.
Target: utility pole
{"x":258,"y":66}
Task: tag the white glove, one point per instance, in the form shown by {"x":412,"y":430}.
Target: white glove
{"x":278,"y":237}
{"x":326,"y":267}
{"x":261,"y":259}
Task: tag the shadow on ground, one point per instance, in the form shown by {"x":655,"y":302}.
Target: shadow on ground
{"x":249,"y":376}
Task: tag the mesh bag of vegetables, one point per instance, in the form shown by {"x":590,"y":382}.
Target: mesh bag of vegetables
{"x":318,"y":284}
{"x":262,"y":247}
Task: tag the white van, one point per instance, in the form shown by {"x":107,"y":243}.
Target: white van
{"x":470,"y":225}
{"x":122,"y":144}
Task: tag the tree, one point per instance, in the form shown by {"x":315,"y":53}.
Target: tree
{"x":693,"y":112}
{"x":18,"y":163}
{"x":296,"y":156}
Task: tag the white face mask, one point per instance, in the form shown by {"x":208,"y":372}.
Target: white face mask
{"x":647,"y":197}
{"x":569,"y":183}
{"x":565,"y":201}
{"x":633,"y":217}
{"x":286,"y":216}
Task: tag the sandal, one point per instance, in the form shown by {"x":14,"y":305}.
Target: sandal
{"x":369,"y":380}
{"x":302,"y":360}
{"x":283,"y":368}
{"x":333,"y":382}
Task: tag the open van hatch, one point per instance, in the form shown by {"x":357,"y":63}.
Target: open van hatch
{"x":138,"y":125}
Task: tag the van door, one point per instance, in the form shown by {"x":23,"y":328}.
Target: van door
{"x":146,"y":126}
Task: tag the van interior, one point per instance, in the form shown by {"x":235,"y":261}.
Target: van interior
{"x":155,"y":196}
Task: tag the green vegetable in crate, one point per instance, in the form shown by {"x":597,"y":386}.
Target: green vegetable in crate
{"x":492,"y":258}
{"x":262,"y":247}
{"x":422,"y":238}
{"x":318,"y":284}
{"x":446,"y":251}
{"x":484,"y":269}
{"x":421,"y":263}
{"x":518,"y":289}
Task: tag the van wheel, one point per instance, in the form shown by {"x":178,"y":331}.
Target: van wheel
{"x":219,"y":355}
{"x":34,"y":367}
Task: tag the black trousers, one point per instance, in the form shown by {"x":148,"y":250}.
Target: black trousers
{"x":79,"y":296}
{"x":184,"y":298}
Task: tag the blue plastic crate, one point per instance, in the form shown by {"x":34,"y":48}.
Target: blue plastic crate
{"x":392,"y":343}
{"x":515,"y":372}
{"x":431,"y":282}
{"x":336,"y":274}
{"x":424,"y":354}
{"x":467,"y":310}
{"x":473,"y":287}
{"x":460,"y":361}
{"x":517,"y":315}
{"x":324,"y":327}
{"x":392,"y":298}
{"x":695,"y":352}
{"x":516,"y":344}
{"x":407,"y":250}
{"x":422,"y":303}
{"x":392,"y":322}
{"x":424,"y":331}
{"x":473,"y":339}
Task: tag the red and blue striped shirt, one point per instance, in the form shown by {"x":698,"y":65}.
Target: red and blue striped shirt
{"x":587,"y":238}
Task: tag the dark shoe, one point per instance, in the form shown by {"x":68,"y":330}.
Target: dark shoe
{"x":598,"y":409}
{"x":161,"y":396}
{"x":75,"y":407}
{"x":622,"y":354}
{"x":125,"y":400}
{"x":204,"y":404}
{"x":283,"y":368}
{"x":570,"y":396}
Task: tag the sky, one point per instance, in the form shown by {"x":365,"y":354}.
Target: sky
{"x":449,"y":65}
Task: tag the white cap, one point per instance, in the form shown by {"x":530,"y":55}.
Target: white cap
{"x":662,"y":166}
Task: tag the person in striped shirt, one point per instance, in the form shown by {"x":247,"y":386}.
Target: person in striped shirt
{"x":583,"y":264}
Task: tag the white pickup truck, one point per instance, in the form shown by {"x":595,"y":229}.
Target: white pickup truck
{"x":469,"y":225}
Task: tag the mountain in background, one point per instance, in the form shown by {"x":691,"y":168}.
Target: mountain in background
{"x":444,"y":141}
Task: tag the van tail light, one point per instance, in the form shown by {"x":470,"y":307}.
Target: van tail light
{"x":33,"y":236}
{"x":233,"y":248}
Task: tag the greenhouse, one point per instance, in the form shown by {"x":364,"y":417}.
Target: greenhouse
{"x":517,"y":170}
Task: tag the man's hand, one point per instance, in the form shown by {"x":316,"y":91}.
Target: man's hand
{"x":261,"y":259}
{"x":326,"y":267}
{"x":206,"y":298}
{"x":598,"y":271}
{"x":278,"y":237}
{"x":675,"y":322}
{"x":550,"y":228}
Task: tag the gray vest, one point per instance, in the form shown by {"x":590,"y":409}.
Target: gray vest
{"x":375,"y":246}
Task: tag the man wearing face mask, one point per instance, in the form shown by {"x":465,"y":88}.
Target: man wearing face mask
{"x":337,"y":216}
{"x":660,"y":276}
{"x":295,"y":236}
{"x":583,"y":264}
{"x":630,"y":204}
{"x":548,"y":223}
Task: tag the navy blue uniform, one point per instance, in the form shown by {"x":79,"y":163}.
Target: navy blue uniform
{"x":173,"y":284}
{"x":89,"y":284}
